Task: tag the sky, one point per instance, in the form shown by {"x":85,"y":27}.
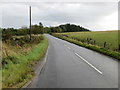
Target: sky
{"x":96,"y":16}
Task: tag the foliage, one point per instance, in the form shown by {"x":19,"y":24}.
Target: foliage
{"x":7,"y":33}
{"x":72,"y":28}
{"x":17,"y":66}
{"x":37,"y":29}
{"x":67,"y":28}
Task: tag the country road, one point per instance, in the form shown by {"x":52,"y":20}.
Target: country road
{"x":71,"y":66}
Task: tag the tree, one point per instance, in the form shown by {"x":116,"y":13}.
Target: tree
{"x":68,"y":28}
{"x":40,"y":24}
{"x":37,"y":29}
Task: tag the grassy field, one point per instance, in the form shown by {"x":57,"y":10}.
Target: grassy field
{"x":19,"y":59}
{"x":105,"y":42}
{"x":97,"y":38}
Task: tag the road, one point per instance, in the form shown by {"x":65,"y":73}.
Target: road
{"x":72,"y":66}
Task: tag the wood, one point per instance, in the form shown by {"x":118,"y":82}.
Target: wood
{"x":30,"y":24}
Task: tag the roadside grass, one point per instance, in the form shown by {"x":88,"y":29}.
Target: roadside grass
{"x":105,"y":39}
{"x":18,"y":68}
{"x":102,"y":50}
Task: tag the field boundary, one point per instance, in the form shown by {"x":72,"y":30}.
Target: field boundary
{"x":104,"y":51}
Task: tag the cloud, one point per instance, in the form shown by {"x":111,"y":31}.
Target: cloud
{"x":59,"y":0}
{"x":88,"y":14}
{"x":110,"y":21}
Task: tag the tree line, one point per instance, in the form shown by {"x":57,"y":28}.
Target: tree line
{"x":7,"y":33}
{"x":68,"y":28}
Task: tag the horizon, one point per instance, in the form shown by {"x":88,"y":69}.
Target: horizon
{"x":57,"y":26}
{"x":96,"y":16}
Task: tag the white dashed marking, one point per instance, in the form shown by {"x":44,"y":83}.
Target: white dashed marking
{"x":89,"y":63}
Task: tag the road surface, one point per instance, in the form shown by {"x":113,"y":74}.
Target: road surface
{"x":72,"y":66}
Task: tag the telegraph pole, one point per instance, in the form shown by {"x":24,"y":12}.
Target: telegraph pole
{"x":30,"y":24}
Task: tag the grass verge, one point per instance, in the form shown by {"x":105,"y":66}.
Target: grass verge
{"x":15,"y":75}
{"x":113,"y":54}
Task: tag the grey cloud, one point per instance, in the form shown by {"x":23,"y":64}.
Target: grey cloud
{"x":84,"y":13}
{"x":50,"y":14}
{"x":59,"y":1}
{"x":16,"y":21}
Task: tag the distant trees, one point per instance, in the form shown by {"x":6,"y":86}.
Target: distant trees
{"x":36,"y":29}
{"x":68,"y":28}
{"x":55,"y":29}
{"x":40,"y":24}
{"x":7,"y":33}
{"x":40,"y":29}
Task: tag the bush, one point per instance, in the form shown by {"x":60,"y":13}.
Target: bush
{"x":18,"y":70}
{"x":13,"y":59}
{"x":22,"y":40}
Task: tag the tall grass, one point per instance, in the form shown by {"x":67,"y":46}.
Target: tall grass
{"x":104,"y":39}
{"x":113,"y":54}
{"x":19,"y":68}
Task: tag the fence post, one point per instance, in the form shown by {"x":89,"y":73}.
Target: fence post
{"x":94,"y":42}
{"x":119,"y":47}
{"x":104,"y":44}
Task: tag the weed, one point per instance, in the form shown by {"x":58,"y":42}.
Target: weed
{"x":16,"y":67}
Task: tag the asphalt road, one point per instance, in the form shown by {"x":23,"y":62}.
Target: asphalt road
{"x":72,"y":66}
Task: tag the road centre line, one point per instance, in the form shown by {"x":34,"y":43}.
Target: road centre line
{"x":67,"y":46}
{"x":88,"y":63}
{"x":85,"y":61}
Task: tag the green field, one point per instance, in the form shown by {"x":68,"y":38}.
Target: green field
{"x":99,"y":38}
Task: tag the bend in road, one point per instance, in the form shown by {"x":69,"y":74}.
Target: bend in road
{"x":72,"y":66}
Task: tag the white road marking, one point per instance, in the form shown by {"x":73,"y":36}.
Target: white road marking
{"x":86,"y":61}
{"x":89,"y":63}
{"x":67,"y":46}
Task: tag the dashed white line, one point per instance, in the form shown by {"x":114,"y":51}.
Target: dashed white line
{"x":89,"y":63}
{"x":85,"y":61}
{"x":67,"y":46}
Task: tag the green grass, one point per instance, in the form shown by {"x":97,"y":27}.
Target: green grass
{"x":110,"y":37}
{"x":16,"y":73}
{"x":98,"y":48}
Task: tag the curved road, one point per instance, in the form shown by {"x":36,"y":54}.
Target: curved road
{"x":72,"y":66}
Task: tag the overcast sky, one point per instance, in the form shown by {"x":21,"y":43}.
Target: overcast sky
{"x":96,"y":16}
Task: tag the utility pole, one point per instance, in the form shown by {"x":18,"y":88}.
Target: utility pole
{"x":30,"y":24}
